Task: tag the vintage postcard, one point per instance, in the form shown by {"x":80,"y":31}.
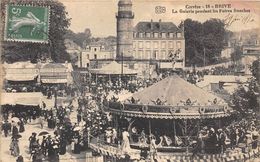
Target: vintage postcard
{"x":130,"y":81}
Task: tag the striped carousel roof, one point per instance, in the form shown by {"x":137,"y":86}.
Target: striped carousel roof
{"x":175,"y":91}
{"x":171,"y":98}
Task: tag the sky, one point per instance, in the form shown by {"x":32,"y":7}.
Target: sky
{"x":99,"y":15}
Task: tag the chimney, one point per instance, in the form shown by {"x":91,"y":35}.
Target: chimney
{"x":151,"y":24}
{"x":160,"y":24}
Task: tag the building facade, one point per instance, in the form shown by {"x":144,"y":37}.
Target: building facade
{"x":95,"y":51}
{"x":159,"y":41}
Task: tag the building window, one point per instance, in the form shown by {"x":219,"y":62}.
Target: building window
{"x":141,"y":35}
{"x":155,"y":45}
{"x":140,"y":54}
{"x":148,"y":35}
{"x":163,"y":44}
{"x":156,"y":35}
{"x":171,"y":35}
{"x":170,"y":44}
{"x":134,"y":53}
{"x":163,"y":54}
{"x":178,"y":35}
{"x":95,"y":49}
{"x":148,"y":44}
{"x":140,"y":44}
{"x":154,"y":54}
{"x":147,"y":54}
{"x":178,"y":45}
{"x":163,"y":35}
{"x":95,"y":56}
{"x":87,"y":56}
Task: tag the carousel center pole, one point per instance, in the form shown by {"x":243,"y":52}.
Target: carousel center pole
{"x":186,"y":136}
{"x":150,"y":138}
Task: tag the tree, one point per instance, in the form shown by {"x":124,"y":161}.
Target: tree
{"x":255,"y":70}
{"x":81,"y":38}
{"x":59,"y":23}
{"x":245,"y":97}
{"x":203,"y":41}
{"x":237,"y":54}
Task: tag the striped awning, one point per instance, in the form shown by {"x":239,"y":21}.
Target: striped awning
{"x":54,"y":80}
{"x":23,"y":77}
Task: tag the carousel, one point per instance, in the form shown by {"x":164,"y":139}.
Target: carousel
{"x":166,"y":122}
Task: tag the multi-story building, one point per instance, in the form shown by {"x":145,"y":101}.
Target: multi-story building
{"x":95,"y":51}
{"x":159,"y":41}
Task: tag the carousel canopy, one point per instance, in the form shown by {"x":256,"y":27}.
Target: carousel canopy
{"x":31,"y":98}
{"x":113,"y":68}
{"x":175,"y":91}
{"x":171,"y":98}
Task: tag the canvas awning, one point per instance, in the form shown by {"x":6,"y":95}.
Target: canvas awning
{"x":54,"y":80}
{"x":25,"y":77}
{"x":31,"y":98}
{"x":113,"y":68}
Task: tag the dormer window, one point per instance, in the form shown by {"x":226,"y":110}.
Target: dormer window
{"x":163,"y":35}
{"x":178,"y":35}
{"x":156,"y":35}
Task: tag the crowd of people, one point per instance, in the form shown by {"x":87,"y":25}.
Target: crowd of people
{"x":239,"y":134}
{"x":91,"y":121}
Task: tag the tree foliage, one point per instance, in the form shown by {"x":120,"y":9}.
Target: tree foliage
{"x":81,"y":38}
{"x":245,"y":97}
{"x":255,"y":70}
{"x":203,"y":38}
{"x":59,"y":23}
{"x":237,"y":54}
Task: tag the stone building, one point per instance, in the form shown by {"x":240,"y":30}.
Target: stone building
{"x":159,"y":41}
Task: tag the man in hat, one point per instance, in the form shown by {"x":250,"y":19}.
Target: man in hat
{"x":19,"y":158}
{"x":44,"y":145}
{"x":32,"y":139}
{"x":5,"y":128}
{"x":15,"y":131}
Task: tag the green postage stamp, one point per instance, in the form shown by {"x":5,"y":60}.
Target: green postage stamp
{"x":27,"y":23}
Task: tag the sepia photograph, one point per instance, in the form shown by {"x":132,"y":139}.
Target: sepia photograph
{"x":130,"y":81}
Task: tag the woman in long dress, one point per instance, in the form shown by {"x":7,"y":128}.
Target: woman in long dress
{"x":14,"y":147}
{"x":125,"y":142}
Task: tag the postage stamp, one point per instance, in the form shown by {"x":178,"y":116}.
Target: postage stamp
{"x":27,"y":23}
